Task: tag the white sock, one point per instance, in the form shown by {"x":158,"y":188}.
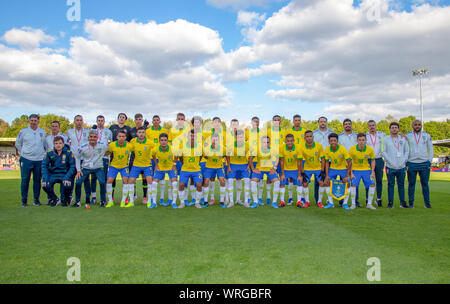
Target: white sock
{"x":162,"y":189}
{"x":260,"y":188}
{"x":353,"y":193}
{"x":299,"y":193}
{"x":181,"y":194}
{"x":109,"y":190}
{"x":174,"y":191}
{"x":131,"y":192}
{"x":329,"y":197}
{"x":223,"y":191}
{"x":347,"y":197}
{"x":371,"y":193}
{"x":268,"y":190}
{"x":94,"y":195}
{"x":254,"y":187}
{"x":282,"y":193}
{"x":246,"y":189}
{"x":154,"y":191}
{"x":231,"y":191}
{"x":276,"y":191}
{"x":227,"y":182}
{"x":124,"y":192}
{"x":198,"y":196}
{"x":321,"y":192}
{"x":238,"y":190}
{"x":306,"y":194}
{"x":192,"y":191}
{"x":205,"y":193}
{"x":212,"y":189}
{"x":290,"y":189}
{"x":170,"y":190}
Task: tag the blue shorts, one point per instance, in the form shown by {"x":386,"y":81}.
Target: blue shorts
{"x":290,"y":174}
{"x":213,"y":172}
{"x":112,"y":172}
{"x":225,"y":169}
{"x":316,"y":173}
{"x":161,"y":175}
{"x":203,"y":167}
{"x":279,"y":169}
{"x":333,"y":173}
{"x":365,"y":176}
{"x":179,"y":165}
{"x":136,"y":171}
{"x":153,"y":165}
{"x":195,"y":176}
{"x":239,"y":171}
{"x":260,"y":176}
{"x":254,"y":166}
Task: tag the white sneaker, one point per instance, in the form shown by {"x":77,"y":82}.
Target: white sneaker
{"x":197,"y":205}
{"x":353,"y":207}
{"x":230,"y":205}
{"x":371,"y":207}
{"x":181,"y":205}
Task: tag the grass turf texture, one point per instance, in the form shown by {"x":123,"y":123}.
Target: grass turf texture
{"x":214,"y":245}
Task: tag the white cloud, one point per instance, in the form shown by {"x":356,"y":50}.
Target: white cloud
{"x":241,"y":4}
{"x":132,"y":67}
{"x":27,"y":38}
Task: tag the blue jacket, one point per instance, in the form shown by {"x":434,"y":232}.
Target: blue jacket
{"x":61,"y":166}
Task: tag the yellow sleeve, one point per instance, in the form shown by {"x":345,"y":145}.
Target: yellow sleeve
{"x":111,"y":147}
{"x":372,"y":154}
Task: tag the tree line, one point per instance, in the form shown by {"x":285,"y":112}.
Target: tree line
{"x":437,"y":129}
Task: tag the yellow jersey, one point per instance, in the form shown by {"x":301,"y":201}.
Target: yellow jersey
{"x":191,"y":158}
{"x":177,"y":138}
{"x":290,"y":157}
{"x":299,"y":135}
{"x":165,"y":158}
{"x":120,"y":154}
{"x":153,"y":134}
{"x":238,"y":155}
{"x":337,"y":158}
{"x":142,"y":152}
{"x":253,"y":139}
{"x":312,"y":157}
{"x":215,"y":157}
{"x":267,"y":160}
{"x":360,"y":159}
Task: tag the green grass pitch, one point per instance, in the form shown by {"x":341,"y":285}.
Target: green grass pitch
{"x":214,"y":245}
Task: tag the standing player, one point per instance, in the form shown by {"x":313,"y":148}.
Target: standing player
{"x":49,"y":139}
{"x":321,"y":136}
{"x":191,"y":155}
{"x":238,"y":167}
{"x":348,"y":140}
{"x":337,"y":163}
{"x":419,"y":162}
{"x":313,"y":156}
{"x":214,"y":154}
{"x":231,"y":140}
{"x":141,"y":148}
{"x":78,"y":136}
{"x":165,"y":163}
{"x":373,"y":139}
{"x":297,"y":130}
{"x":361,"y":154}
{"x":120,"y":151}
{"x":252,"y":136}
{"x":104,"y":136}
{"x":30,"y":144}
{"x":267,"y":165}
{"x":90,"y":161}
{"x":152,"y":135}
{"x":201,"y":137}
{"x":289,"y":166}
{"x":139,"y":121}
{"x":395,"y":151}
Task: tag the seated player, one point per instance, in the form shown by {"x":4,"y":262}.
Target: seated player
{"x":238,"y":168}
{"x":58,"y":166}
{"x":361,"y":154}
{"x":191,"y":156}
{"x":164,"y":164}
{"x":88,"y":162}
{"x":142,"y":148}
{"x":121,"y":151}
{"x":289,"y":165}
{"x":313,"y":158}
{"x":337,"y":163}
{"x":267,"y":165}
{"x":213,"y":154}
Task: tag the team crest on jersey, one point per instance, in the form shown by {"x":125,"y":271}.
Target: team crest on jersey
{"x":340,"y":156}
{"x":145,"y":148}
{"x":366,"y":156}
{"x":316,"y":153}
{"x":126,"y":152}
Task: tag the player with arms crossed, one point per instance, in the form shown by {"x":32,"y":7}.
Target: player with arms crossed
{"x":361,"y":154}
{"x":121,"y":151}
{"x":314,"y":157}
{"x":337,"y":163}
{"x":165,"y":163}
{"x":289,"y":167}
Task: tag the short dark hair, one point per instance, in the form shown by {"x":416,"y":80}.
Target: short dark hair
{"x":234,"y":119}
{"x":394,"y":124}
{"x":181,"y":114}
{"x":138,"y":115}
{"x":333,"y":135}
{"x":255,"y":117}
{"x":34,"y":116}
{"x":75,"y":118}
{"x":295,"y":116}
{"x":216,"y":118}
{"x":309,"y":131}
{"x":122,"y":131}
{"x":289,"y":135}
{"x":156,"y":116}
{"x":347,"y":119}
{"x":58,"y":138}
{"x":100,"y":116}
{"x":141,"y":128}
{"x":55,"y":121}
{"x":126,"y":117}
{"x":276,"y":116}
{"x":371,"y":121}
{"x":322,"y":117}
{"x":361,"y":135}
{"x":163,"y":135}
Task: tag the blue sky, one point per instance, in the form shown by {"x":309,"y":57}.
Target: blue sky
{"x":284,"y":90}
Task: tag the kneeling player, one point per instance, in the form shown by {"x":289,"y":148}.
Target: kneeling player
{"x":238,"y":168}
{"x":142,"y":148}
{"x":361,"y":154}
{"x":337,"y":163}
{"x":314,"y":164}
{"x":121,"y":151}
{"x":214,"y":167}
{"x":267,"y":165}
{"x":192,"y":154}
{"x":165,"y":163}
{"x":289,"y":166}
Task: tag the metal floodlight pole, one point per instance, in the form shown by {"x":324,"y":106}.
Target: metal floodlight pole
{"x":420,"y":73}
